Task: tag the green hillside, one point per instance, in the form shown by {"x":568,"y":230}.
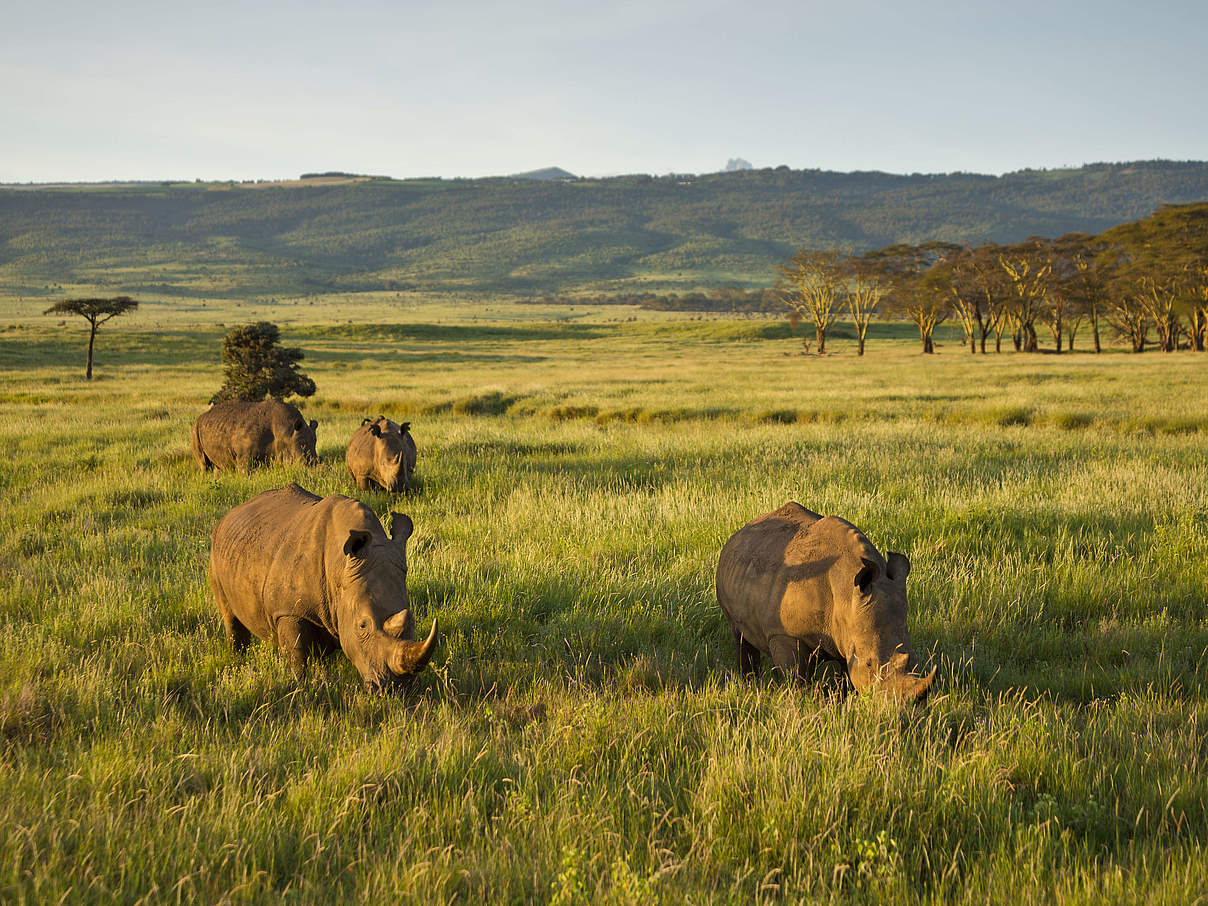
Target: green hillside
{"x":518,"y":236}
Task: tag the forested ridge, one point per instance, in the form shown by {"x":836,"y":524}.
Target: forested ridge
{"x":521,"y":237}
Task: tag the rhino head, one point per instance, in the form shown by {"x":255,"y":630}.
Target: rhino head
{"x":299,"y":441}
{"x":393,"y":453}
{"x":373,"y":612}
{"x":871,"y":631}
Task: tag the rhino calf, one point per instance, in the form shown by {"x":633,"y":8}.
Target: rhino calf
{"x":381,"y":452}
{"x":314,"y":574}
{"x":803,"y":588}
{"x":239,"y":435}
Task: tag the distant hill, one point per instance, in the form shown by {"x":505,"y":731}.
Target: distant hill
{"x":547,"y":175}
{"x":524,"y":237}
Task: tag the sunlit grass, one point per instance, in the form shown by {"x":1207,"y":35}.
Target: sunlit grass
{"x":582,"y":736}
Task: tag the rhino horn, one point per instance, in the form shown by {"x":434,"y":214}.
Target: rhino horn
{"x":917,"y":691}
{"x":397,"y":625}
{"x":412,"y":657}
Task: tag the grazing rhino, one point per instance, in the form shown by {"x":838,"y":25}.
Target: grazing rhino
{"x":315,"y":574}
{"x":240,"y":435}
{"x":381,"y":452}
{"x":802,"y":588}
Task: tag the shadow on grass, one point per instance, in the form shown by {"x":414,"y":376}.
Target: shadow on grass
{"x":399,"y":333}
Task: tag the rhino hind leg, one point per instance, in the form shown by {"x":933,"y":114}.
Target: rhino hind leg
{"x":749,"y":658}
{"x":237,"y":634}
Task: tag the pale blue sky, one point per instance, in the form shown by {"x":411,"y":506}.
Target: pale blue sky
{"x":243,"y":90}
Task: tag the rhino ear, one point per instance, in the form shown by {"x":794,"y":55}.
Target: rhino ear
{"x":375,"y":430}
{"x":898,"y":567}
{"x":401,"y":527}
{"x":357,"y":540}
{"x":869,"y":570}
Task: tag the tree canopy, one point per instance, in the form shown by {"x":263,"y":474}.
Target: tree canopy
{"x":258,"y":367}
{"x":96,"y":311}
{"x":1148,"y":279}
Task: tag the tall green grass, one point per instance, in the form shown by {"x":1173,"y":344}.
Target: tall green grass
{"x":582,"y":735}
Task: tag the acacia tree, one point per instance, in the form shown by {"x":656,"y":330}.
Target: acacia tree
{"x":1060,"y":314}
{"x":810,"y":285}
{"x":1127,"y":314}
{"x":1158,"y":258}
{"x":975,"y":283}
{"x":1029,"y":267}
{"x":1082,"y":280}
{"x":916,"y":286}
{"x":1197,"y":284}
{"x":257,"y":367}
{"x":96,"y":312}
{"x":866,"y":285}
{"x":1159,"y":299}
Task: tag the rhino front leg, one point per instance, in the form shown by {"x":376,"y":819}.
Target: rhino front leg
{"x":784,"y":654}
{"x":808,"y":661}
{"x":294,"y":638}
{"x":809,"y":666}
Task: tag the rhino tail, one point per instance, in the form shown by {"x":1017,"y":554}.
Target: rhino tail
{"x":199,"y":454}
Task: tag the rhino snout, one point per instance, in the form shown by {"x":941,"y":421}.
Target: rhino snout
{"x":895,"y":677}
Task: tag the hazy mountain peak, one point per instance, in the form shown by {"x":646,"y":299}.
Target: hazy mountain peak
{"x":549,"y":174}
{"x":737,"y":163}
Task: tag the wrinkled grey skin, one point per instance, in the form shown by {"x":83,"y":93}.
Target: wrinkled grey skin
{"x":382,"y":453}
{"x":314,"y":575}
{"x":802,"y":588}
{"x":239,"y":435}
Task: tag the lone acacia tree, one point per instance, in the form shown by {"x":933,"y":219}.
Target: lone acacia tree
{"x":811,"y":286}
{"x":97,"y":312}
{"x":257,"y":367}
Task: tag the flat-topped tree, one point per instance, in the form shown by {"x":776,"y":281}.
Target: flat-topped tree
{"x":97,"y":312}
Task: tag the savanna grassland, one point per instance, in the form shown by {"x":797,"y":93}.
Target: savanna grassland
{"x":582,"y":735}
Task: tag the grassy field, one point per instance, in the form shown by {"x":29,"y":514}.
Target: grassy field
{"x":583,"y":736}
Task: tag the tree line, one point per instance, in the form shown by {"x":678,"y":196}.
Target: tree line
{"x":1146,"y":281}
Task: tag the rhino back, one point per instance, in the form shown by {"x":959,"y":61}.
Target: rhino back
{"x":268,"y":558}
{"x":359,"y":457}
{"x":776,"y":575}
{"x":233,"y":430}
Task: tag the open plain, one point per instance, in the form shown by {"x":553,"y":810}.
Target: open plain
{"x":583,"y":735}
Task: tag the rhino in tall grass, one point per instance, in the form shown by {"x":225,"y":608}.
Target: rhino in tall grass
{"x":382,"y":452}
{"x":804,"y":588}
{"x":239,"y":435}
{"x":313,"y":575}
